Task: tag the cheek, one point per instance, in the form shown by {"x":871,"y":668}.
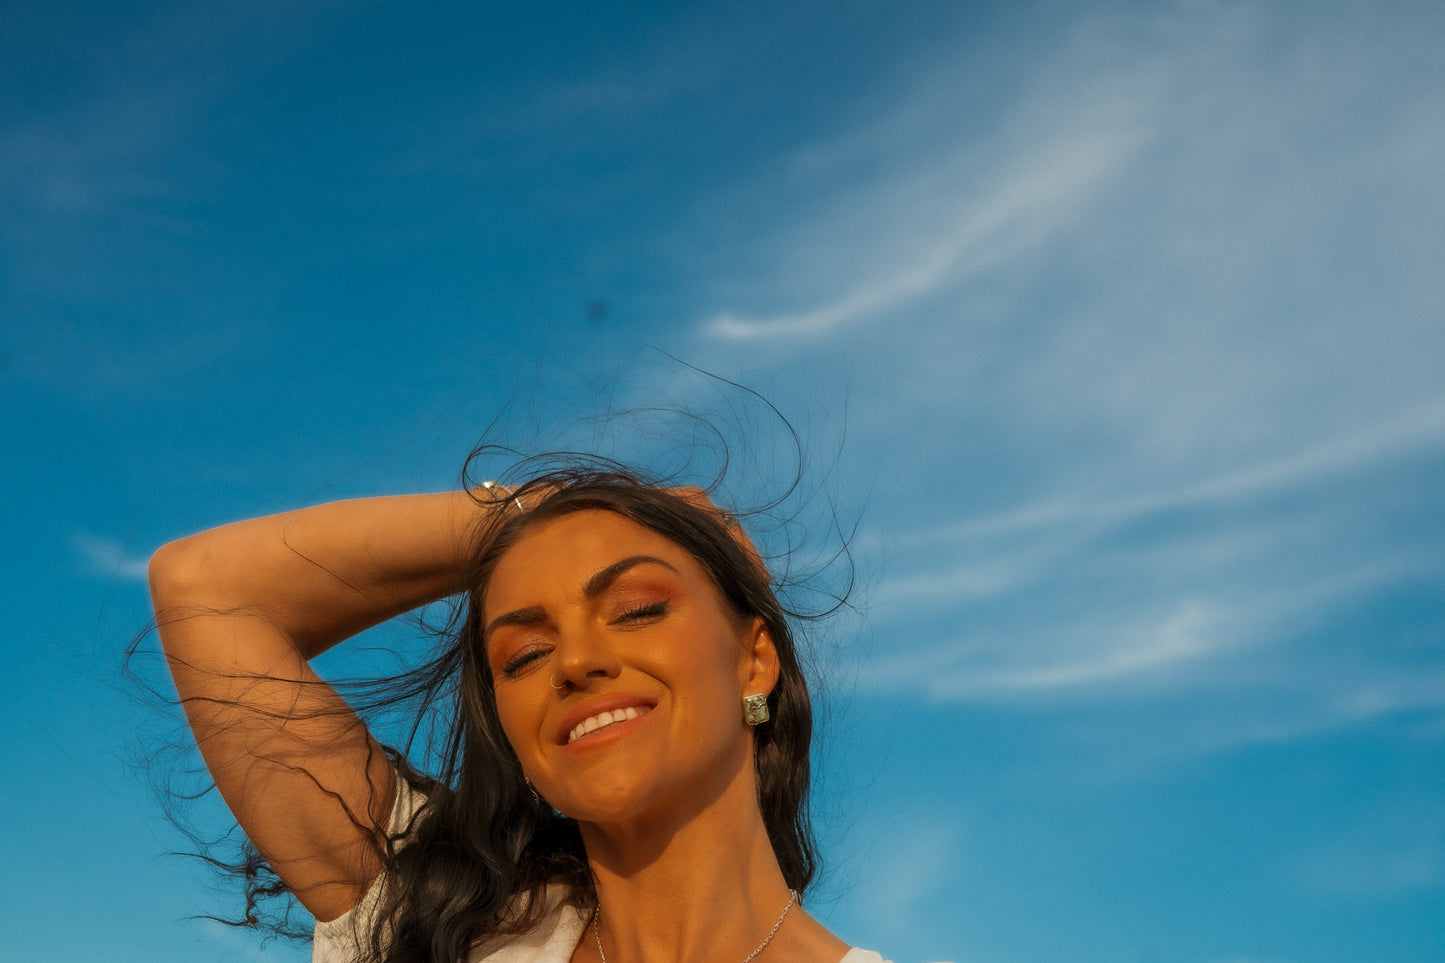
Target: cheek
{"x":717,"y":667}
{"x":518,"y":722}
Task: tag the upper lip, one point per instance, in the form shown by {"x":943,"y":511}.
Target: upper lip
{"x":598,"y":704}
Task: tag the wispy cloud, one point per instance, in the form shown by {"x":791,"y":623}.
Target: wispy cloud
{"x":1182,"y":635}
{"x":107,"y":557}
{"x":1096,"y":613}
{"x":121,"y":159}
{"x":1172,"y":637}
{"x":1131,"y":314}
{"x":902,"y":864}
{"x":1383,"y":853}
{"x":1419,"y":429}
{"x":1154,"y":237}
{"x":1206,"y":589}
{"x":1009,"y":217}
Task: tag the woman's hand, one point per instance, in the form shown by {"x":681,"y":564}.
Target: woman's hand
{"x":700,"y":498}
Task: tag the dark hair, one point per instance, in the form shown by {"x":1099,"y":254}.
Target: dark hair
{"x":476,"y":861}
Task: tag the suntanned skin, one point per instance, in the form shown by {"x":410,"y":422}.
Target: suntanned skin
{"x":666,"y":803}
{"x":660,"y":798}
{"x":240,"y":610}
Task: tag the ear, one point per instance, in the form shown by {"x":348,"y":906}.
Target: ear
{"x":760,"y":664}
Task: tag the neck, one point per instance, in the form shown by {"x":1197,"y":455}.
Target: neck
{"x":666,"y":894}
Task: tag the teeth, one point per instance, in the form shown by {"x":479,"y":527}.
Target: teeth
{"x":604,"y":719}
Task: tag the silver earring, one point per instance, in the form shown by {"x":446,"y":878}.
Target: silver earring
{"x":755,"y":709}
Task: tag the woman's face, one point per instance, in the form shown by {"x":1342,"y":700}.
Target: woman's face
{"x":619,"y":671}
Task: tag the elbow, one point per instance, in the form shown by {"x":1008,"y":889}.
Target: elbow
{"x":174,"y":573}
{"x":183,"y":585}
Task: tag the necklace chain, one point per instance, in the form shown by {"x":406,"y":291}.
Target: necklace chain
{"x":792,"y":898}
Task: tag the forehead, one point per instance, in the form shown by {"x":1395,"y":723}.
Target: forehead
{"x":559,"y":555}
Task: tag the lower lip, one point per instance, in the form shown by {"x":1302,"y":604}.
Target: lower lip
{"x":607,"y":734}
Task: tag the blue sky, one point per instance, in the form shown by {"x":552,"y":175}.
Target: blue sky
{"x":1116,"y":328}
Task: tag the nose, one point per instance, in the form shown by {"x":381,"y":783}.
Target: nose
{"x":581,"y":658}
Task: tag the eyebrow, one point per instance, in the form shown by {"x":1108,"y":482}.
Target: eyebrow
{"x":595,"y":586}
{"x":603,"y":580}
{"x":531,"y":615}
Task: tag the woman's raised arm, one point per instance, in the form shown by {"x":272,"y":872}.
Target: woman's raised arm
{"x":240,"y":610}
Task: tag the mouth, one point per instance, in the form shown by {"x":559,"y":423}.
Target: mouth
{"x":602,"y":720}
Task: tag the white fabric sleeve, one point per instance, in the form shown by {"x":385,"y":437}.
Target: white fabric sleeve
{"x":337,"y":941}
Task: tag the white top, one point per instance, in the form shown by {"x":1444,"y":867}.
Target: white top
{"x":553,"y":941}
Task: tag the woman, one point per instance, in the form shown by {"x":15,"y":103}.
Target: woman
{"x":627,"y":775}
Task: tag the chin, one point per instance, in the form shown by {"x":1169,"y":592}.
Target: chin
{"x":601,"y":803}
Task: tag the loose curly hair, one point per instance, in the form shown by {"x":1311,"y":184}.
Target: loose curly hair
{"x":474,"y":864}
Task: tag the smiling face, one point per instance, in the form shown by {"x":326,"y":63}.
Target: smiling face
{"x":619,"y":672}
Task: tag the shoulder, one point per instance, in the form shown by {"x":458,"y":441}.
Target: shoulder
{"x":552,"y":941}
{"x":856,"y":955}
{"x":338,"y":940}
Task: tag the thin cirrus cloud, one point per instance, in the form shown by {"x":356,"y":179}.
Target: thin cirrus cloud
{"x":901,"y":858}
{"x":1396,"y":851}
{"x":1090,"y":657}
{"x":1418,"y":430}
{"x":1204,"y":590}
{"x":1180,"y":638}
{"x":107,"y":557}
{"x":1006,"y":219}
{"x":969,"y":183}
{"x":1223,"y":580}
{"x":1220,"y":418}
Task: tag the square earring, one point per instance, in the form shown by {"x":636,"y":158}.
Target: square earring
{"x":755,"y":709}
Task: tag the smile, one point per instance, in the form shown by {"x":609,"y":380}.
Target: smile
{"x":604,"y":719}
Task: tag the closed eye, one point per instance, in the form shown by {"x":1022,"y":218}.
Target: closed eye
{"x":649,"y":610}
{"x":518,"y":663}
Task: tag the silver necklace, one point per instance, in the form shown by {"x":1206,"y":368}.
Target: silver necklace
{"x":792,"y":898}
